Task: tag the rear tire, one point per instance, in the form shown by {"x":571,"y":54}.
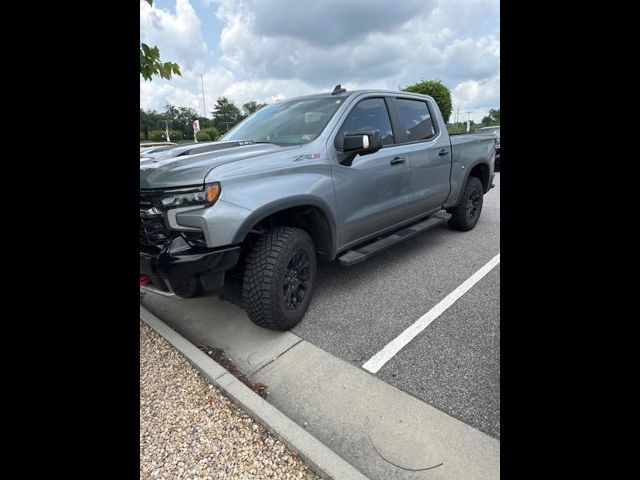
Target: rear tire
{"x":279,"y":278}
{"x":466,"y":214}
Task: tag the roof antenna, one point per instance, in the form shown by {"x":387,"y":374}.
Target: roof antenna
{"x":338,"y":89}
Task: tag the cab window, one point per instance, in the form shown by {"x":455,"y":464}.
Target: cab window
{"x":416,"y":119}
{"x":369,"y":114}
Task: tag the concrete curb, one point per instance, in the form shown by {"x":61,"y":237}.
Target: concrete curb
{"x":320,"y":458}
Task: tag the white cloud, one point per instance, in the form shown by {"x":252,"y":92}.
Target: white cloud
{"x":471,"y":58}
{"x":332,"y":22}
{"x":185,"y":91}
{"x":476,"y":96}
{"x":267,"y":51}
{"x":466,"y":18}
{"x":177,"y":35}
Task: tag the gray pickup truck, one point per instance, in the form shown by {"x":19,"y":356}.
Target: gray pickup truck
{"x":338,"y":175}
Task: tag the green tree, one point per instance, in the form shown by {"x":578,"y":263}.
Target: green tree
{"x":151,"y":65}
{"x":461,"y":127}
{"x":207,"y":134}
{"x":436,"y":89}
{"x":205,"y":122}
{"x":158,"y":136}
{"x":181,"y":119}
{"x":150,"y":120}
{"x":225,"y":114}
{"x":492,"y":119}
{"x":252,"y":107}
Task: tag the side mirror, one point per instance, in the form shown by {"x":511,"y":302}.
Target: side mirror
{"x":362,"y":143}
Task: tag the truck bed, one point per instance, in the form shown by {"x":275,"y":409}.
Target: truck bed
{"x":467,"y":149}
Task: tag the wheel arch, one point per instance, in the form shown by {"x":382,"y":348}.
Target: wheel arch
{"x":308,"y":213}
{"x":481,"y":170}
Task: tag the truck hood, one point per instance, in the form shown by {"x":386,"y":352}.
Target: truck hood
{"x":192,"y":169}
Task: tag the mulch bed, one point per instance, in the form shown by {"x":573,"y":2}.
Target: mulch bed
{"x":219,"y":356}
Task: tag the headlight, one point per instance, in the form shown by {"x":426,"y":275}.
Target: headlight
{"x":206,"y":197}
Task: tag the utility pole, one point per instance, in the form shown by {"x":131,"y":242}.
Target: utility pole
{"x":204,"y":110}
{"x":457,"y":114}
{"x":468,"y":120}
{"x":166,"y":122}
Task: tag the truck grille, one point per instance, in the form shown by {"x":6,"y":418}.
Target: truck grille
{"x":153,"y":231}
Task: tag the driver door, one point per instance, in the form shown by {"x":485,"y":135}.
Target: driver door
{"x":373,"y":193}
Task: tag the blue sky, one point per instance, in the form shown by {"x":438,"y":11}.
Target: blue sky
{"x":268,"y":49}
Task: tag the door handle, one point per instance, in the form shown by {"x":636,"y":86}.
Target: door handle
{"x":397,"y":160}
{"x":443,"y":152}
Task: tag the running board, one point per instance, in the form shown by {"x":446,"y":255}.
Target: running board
{"x":360,"y":254}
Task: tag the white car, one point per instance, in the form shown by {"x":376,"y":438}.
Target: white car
{"x":155,"y":144}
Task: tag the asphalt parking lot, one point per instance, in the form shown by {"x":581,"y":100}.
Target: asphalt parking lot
{"x":454,"y":363}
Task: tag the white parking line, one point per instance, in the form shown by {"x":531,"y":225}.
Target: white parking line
{"x":376,"y":362}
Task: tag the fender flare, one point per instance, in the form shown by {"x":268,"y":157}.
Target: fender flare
{"x":283,"y":204}
{"x":466,"y":177}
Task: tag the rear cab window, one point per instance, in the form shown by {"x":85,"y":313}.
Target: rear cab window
{"x":415,"y":119}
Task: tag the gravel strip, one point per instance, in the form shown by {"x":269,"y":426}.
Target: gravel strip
{"x":189,"y":430}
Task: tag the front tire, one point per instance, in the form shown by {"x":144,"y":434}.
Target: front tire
{"x":279,"y":278}
{"x":466,"y":214}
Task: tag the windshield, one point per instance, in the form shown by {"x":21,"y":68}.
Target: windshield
{"x":288,"y":123}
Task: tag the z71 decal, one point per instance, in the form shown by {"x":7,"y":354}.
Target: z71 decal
{"x":306,"y":156}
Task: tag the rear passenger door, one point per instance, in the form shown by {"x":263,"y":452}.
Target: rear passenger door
{"x":429,"y":155}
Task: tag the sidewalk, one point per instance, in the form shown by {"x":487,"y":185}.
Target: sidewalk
{"x":383,"y":432}
{"x":188,"y":429}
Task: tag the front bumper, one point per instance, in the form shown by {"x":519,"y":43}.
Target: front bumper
{"x":188,"y":272}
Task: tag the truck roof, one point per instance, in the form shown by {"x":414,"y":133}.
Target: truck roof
{"x":350,"y":92}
